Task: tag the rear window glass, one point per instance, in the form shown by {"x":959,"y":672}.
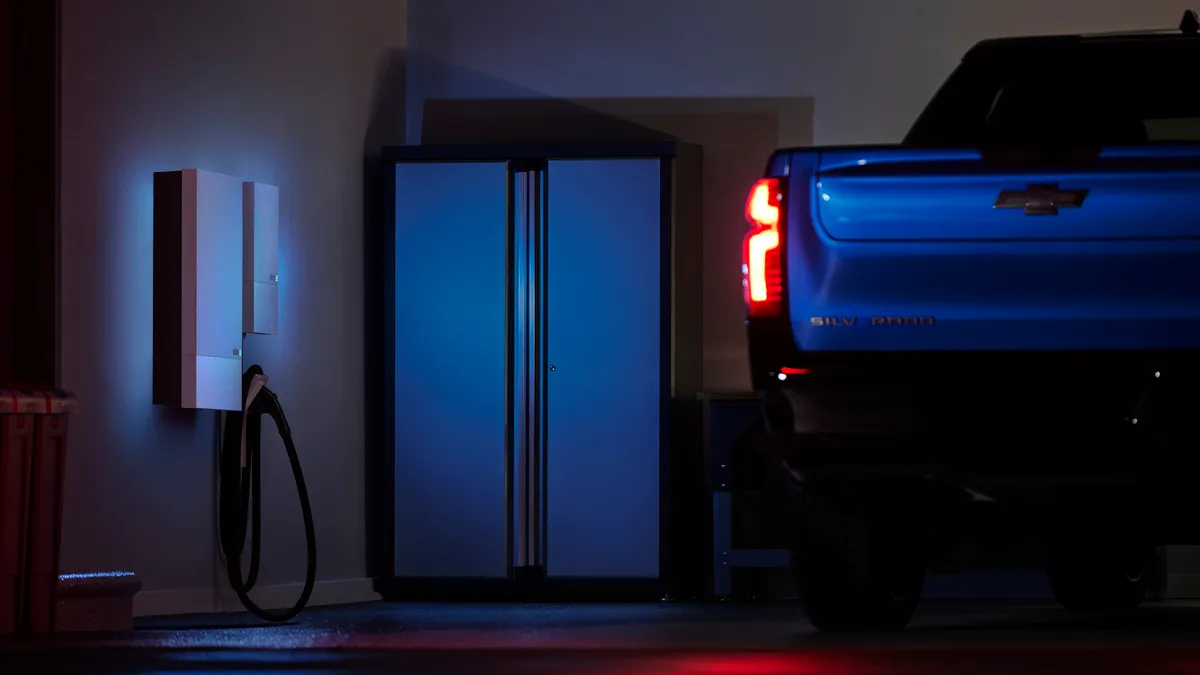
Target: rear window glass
{"x":1077,"y":94}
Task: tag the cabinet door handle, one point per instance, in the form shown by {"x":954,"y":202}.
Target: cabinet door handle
{"x":553,"y":368}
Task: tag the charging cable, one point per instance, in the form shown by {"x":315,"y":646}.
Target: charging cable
{"x":240,"y":493}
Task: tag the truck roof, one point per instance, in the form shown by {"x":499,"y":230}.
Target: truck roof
{"x":1188,"y":30}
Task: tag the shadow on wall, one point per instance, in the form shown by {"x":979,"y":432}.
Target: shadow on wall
{"x":454,"y":106}
{"x":385,"y":127}
{"x":527,"y":120}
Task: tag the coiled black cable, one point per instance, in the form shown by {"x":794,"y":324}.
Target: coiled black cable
{"x":240,"y":497}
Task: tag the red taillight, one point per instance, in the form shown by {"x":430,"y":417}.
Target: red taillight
{"x":762,"y":269}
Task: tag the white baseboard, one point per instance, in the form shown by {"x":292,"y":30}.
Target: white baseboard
{"x":334,"y":592}
{"x":174,"y":601}
{"x":206,"y":600}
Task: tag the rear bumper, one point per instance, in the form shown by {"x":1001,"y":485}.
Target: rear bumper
{"x":995,"y":418}
{"x":999,"y":487}
{"x":995,"y":460}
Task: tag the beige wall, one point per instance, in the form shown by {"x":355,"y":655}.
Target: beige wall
{"x":280,"y":91}
{"x":869,"y":66}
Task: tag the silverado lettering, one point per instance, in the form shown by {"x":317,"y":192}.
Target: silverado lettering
{"x":875,"y":321}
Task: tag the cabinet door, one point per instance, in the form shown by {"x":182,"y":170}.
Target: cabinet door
{"x":605,"y":350}
{"x":450,"y":356}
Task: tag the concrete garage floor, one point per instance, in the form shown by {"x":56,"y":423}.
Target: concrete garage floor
{"x":728,"y":639}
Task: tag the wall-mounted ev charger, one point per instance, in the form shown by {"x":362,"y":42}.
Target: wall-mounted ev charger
{"x":216,"y":279}
{"x":197,"y":290}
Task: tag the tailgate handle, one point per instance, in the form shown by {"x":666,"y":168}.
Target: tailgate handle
{"x":1041,"y":200}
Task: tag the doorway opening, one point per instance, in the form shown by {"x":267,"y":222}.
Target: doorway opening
{"x":29,"y":196}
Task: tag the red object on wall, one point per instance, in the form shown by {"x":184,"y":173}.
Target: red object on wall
{"x":33,"y":435}
{"x":16,"y":446}
{"x":45,"y":513}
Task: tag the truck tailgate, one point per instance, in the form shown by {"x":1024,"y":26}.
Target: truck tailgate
{"x":940,"y":195}
{"x":903,"y":249}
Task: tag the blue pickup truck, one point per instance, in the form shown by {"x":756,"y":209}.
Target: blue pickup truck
{"x":990,"y":331}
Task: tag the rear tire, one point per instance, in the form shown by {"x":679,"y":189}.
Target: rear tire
{"x":1097,"y":576}
{"x":856,"y":571}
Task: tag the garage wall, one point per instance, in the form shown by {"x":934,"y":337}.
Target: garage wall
{"x":287,"y":92}
{"x":868,"y":65}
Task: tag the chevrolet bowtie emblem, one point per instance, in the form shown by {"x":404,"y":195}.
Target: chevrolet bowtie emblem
{"x":1040,"y":200}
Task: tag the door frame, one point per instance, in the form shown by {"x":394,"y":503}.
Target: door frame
{"x":29,"y":229}
{"x":380,"y":489}
{"x":7,"y":211}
